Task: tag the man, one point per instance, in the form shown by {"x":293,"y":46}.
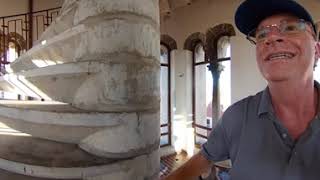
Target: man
{"x":274,"y":135}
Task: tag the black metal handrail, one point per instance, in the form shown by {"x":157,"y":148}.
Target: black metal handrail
{"x":19,"y":31}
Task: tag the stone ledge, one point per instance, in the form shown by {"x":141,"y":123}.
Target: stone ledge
{"x":107,"y":86}
{"x":40,"y":152}
{"x":141,"y":167}
{"x":48,"y":121}
{"x":131,"y":139}
{"x":76,"y":43}
{"x":146,"y":8}
{"x":6,"y":175}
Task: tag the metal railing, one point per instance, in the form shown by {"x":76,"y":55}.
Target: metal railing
{"x":19,"y":31}
{"x":199,"y":130}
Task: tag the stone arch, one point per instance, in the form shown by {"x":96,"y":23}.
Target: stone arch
{"x":168,"y":41}
{"x":213,"y":35}
{"x":18,"y":40}
{"x":193,"y":40}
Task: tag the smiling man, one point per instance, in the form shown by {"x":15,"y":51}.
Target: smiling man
{"x":276,"y":133}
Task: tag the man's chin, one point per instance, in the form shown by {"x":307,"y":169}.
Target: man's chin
{"x":276,"y":79}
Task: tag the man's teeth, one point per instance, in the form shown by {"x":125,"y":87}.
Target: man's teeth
{"x":280,"y":56}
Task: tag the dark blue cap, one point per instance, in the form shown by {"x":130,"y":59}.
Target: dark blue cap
{"x":251,"y":12}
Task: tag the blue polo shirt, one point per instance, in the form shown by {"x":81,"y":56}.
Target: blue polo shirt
{"x":259,"y":146}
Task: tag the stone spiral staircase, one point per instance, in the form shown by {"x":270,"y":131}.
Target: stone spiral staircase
{"x":97,"y":69}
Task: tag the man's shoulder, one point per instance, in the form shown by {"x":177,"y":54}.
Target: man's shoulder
{"x":248,"y":102}
{"x":236,"y":116}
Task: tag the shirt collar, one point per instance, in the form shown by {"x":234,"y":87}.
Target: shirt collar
{"x":265,"y":105}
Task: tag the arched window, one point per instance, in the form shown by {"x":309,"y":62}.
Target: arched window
{"x":165,"y":117}
{"x":12,"y":52}
{"x":203,"y":84}
{"x":167,"y":45}
{"x":224,"y":54}
{"x":12,"y":45}
{"x":211,"y":79}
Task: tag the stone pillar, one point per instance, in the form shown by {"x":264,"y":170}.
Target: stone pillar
{"x":102,"y":58}
{"x":123,"y":43}
{"x":216,"y":70}
{"x":123,"y":40}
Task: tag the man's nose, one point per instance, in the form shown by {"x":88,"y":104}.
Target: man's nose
{"x":273,"y":37}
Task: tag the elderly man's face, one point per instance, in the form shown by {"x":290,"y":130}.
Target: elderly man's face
{"x":283,"y":57}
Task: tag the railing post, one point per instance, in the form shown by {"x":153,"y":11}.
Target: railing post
{"x":30,"y":22}
{"x":47,"y":17}
{"x":22,"y":33}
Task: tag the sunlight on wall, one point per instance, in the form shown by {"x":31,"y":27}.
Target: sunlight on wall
{"x":190,"y":141}
{"x":184,"y":135}
{"x":44,"y":42}
{"x":225,"y":81}
{"x":34,"y":88}
{"x":45,"y":62}
{"x":24,"y":87}
{"x":6,"y":130}
{"x":40,"y":62}
{"x":12,"y":53}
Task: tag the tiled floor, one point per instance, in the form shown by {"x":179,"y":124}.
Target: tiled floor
{"x":171,"y":162}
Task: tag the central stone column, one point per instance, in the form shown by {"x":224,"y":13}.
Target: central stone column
{"x":118,"y":43}
{"x":122,"y":45}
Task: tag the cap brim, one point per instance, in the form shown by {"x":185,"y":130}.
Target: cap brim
{"x":251,"y":12}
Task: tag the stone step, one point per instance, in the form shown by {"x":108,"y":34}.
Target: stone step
{"x":72,"y":14}
{"x":110,"y":135}
{"x":25,"y":157}
{"x":56,"y":50}
{"x":6,"y":175}
{"x":119,"y":85}
{"x":29,"y":157}
{"x":47,"y":119}
{"x":12,"y":85}
{"x":40,"y":152}
{"x":86,"y":43}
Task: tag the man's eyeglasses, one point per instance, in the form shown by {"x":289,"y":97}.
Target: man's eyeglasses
{"x":285,"y":28}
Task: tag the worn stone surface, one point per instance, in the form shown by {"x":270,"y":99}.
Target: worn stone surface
{"x":88,"y":43}
{"x":35,"y":151}
{"x":7,"y":86}
{"x":141,"y":167}
{"x":125,"y":84}
{"x":59,"y":133}
{"x":130,"y":139}
{"x":6,"y":175}
{"x":143,"y":8}
{"x":119,"y":36}
{"x":47,"y":121}
{"x":145,"y":167}
{"x":129,"y":86}
{"x":52,"y":51}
